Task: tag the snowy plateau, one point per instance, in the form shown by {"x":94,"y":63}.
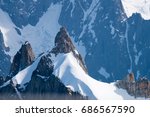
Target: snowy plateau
{"x":109,"y":36}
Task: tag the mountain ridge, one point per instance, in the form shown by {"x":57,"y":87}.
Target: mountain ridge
{"x":98,"y":29}
{"x":40,"y":79}
{"x":110,"y":43}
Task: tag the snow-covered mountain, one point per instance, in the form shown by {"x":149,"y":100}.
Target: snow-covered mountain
{"x":65,"y":64}
{"x":66,"y":67}
{"x":111,"y":43}
{"x":111,"y":36}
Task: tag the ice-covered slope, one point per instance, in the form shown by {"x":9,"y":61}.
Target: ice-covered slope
{"x":40,"y":36}
{"x":66,"y":67}
{"x":137,"y":6}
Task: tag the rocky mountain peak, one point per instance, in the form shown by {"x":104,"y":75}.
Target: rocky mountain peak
{"x":63,"y":43}
{"x":23,"y":58}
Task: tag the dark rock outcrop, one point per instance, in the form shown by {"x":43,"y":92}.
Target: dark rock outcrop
{"x":45,"y":66}
{"x":63,"y":43}
{"x":22,"y":59}
{"x":51,"y":87}
{"x":136,"y":88}
{"x":142,"y":88}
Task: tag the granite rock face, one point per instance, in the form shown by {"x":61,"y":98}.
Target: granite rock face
{"x":63,"y":43}
{"x":23,"y":58}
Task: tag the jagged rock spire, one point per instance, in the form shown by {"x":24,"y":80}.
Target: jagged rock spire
{"x":23,"y":58}
{"x":63,"y":43}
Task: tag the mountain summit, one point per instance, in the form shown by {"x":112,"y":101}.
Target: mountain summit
{"x":63,"y":43}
